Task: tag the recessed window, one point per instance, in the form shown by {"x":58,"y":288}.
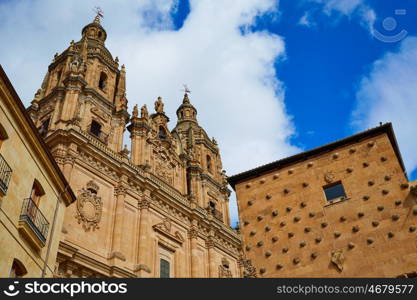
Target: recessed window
{"x":162,"y":134}
{"x":95,"y":128}
{"x":164,"y":269}
{"x":103,"y":81}
{"x":209,"y":167}
{"x":334,"y":191}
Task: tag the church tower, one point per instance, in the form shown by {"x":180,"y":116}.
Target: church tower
{"x":158,"y":209}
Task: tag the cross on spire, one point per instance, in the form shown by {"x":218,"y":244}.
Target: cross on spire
{"x":99,"y":14}
{"x":186,"y":89}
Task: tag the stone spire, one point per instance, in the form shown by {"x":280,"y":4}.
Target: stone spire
{"x":186,"y":111}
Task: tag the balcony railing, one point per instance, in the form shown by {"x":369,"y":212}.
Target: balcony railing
{"x":216,"y":213}
{"x":5,"y":174}
{"x":32,"y":216}
{"x":99,"y":135}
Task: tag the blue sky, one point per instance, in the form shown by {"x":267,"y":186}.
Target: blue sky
{"x":269,"y":78}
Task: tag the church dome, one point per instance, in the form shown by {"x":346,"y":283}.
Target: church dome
{"x":95,"y":31}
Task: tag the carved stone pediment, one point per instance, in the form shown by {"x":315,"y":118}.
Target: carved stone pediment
{"x":165,"y":229}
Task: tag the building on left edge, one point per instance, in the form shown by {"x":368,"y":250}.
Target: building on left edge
{"x":33,"y":193}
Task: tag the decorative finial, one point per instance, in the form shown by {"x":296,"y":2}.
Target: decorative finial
{"x":99,"y":14}
{"x":135,"y":111}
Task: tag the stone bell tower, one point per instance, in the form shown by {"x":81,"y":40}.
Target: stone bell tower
{"x":158,"y":210}
{"x":85,"y":88}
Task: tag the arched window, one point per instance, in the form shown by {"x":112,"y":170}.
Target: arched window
{"x":18,"y":269}
{"x":37,"y":192}
{"x":209,"y":166}
{"x":103,"y":81}
{"x":162,"y":134}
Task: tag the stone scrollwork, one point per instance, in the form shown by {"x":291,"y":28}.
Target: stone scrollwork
{"x":249,"y":271}
{"x":165,"y":228}
{"x":89,"y":207}
{"x":224,"y":271}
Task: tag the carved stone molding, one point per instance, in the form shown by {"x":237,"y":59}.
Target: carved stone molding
{"x":193,"y":233}
{"x":89,"y":207}
{"x":69,"y":159}
{"x":141,"y":267}
{"x":120,"y":190}
{"x":144,"y":204}
{"x":165,"y":228}
{"x":224,"y":271}
{"x":117,"y":254}
{"x":249,"y":271}
{"x":210,"y":243}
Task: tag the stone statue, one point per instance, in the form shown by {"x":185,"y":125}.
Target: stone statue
{"x":159,"y":105}
{"x":144,"y":112}
{"x":71,"y":47}
{"x":135,"y":111}
{"x":76,"y":65}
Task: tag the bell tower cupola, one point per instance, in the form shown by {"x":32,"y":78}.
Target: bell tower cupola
{"x":85,"y":90}
{"x":186,"y":112}
{"x":94,"y":31}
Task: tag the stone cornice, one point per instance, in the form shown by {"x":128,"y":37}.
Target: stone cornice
{"x":67,"y":250}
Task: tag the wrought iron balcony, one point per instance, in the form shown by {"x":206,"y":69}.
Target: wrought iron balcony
{"x":215,"y":213}
{"x":5,"y":174}
{"x":98,"y":134}
{"x":33,"y":224}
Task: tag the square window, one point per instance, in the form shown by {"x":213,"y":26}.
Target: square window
{"x":164,"y":269}
{"x":334,"y":191}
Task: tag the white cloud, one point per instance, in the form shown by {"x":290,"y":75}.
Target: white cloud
{"x":306,"y":21}
{"x":346,"y":8}
{"x":232,"y":77}
{"x":389,"y":94}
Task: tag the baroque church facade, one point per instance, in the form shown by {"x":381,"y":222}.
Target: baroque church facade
{"x":160,"y":209}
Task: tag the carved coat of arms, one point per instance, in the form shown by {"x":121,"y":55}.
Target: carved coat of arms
{"x":89,"y":207}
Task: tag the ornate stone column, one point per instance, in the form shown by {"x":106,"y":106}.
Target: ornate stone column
{"x":69,"y":161}
{"x":120,"y":194}
{"x":144,"y":253}
{"x":193,"y":236}
{"x":212,"y":258}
